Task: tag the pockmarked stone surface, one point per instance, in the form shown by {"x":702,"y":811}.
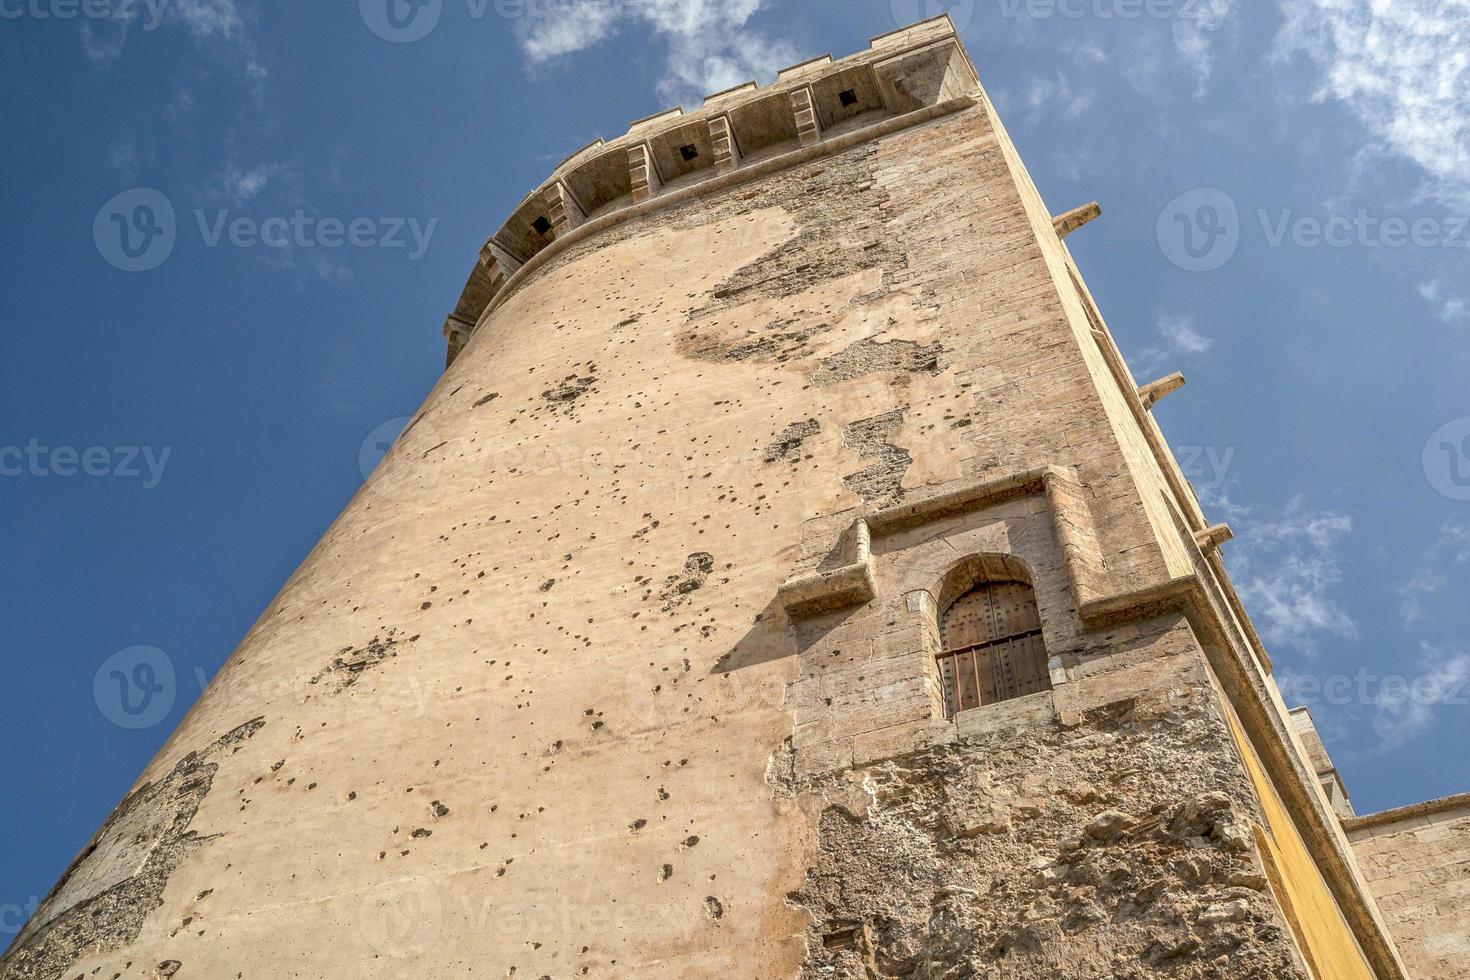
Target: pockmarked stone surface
{"x":628,"y":659}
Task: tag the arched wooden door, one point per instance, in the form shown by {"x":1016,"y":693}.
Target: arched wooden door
{"x":993,"y":649}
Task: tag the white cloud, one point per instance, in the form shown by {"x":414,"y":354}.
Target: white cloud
{"x":240,"y":186}
{"x":1178,"y":339}
{"x":103,"y":40}
{"x":1431,"y":575}
{"x":710,"y":45}
{"x":1404,"y":707}
{"x":1450,"y":309}
{"x":1195,"y":30}
{"x":1403,"y":68}
{"x":204,"y":18}
{"x":128,"y":158}
{"x":1050,"y":97}
{"x":1286,"y":569}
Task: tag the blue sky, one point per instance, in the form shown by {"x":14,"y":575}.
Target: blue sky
{"x":1284,"y":185}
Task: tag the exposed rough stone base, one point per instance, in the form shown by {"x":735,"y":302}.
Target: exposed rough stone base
{"x":1116,"y":848}
{"x":149,"y":830}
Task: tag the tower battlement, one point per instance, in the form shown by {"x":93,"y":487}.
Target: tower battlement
{"x":815,"y":107}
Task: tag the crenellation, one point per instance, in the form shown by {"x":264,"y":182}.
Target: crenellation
{"x":804,"y":68}
{"x":817,"y":100}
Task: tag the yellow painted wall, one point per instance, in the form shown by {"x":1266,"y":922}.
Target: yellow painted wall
{"x":1321,"y":931}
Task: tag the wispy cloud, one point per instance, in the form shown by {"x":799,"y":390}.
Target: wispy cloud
{"x":1056,"y":96}
{"x":207,"y":18}
{"x":1432,"y":573}
{"x":1196,"y":31}
{"x":711,"y":45}
{"x":1287,"y":568}
{"x":1403,"y":69}
{"x":1178,"y":341}
{"x":1404,"y":708}
{"x":1450,"y":309}
{"x":103,"y":40}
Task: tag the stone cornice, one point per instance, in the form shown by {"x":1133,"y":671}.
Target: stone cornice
{"x":1429,"y":808}
{"x":820,"y":106}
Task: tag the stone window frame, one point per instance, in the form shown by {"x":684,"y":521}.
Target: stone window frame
{"x":971,"y":573}
{"x":867,"y":619}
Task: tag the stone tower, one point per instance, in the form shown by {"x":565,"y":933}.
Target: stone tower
{"x":786,"y":578}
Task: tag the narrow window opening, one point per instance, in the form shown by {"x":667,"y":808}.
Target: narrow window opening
{"x":848,"y":98}
{"x":542,"y":226}
{"x":689,"y":152}
{"x":993,"y":649}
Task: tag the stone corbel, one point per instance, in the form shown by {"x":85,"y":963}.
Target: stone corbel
{"x":1067,"y":223}
{"x":1154,"y":392}
{"x":808,"y":126}
{"x":498,"y":263}
{"x":723,"y":145}
{"x":643,"y":172}
{"x":849,"y":584}
{"x":456,"y":333}
{"x":562,"y":209}
{"x":1211,"y":538}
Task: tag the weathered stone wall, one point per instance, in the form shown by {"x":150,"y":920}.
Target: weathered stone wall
{"x":532,"y":708}
{"x":1418,"y":861}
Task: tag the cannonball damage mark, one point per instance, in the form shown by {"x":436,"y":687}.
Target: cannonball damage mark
{"x":677,"y":588}
{"x":349,"y":665}
{"x":572,"y":387}
{"x":788,"y":444}
{"x":882,"y":481}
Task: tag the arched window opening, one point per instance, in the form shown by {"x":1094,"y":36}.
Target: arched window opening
{"x":993,"y":649}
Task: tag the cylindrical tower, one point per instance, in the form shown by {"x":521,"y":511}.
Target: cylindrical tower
{"x":786,"y":577}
